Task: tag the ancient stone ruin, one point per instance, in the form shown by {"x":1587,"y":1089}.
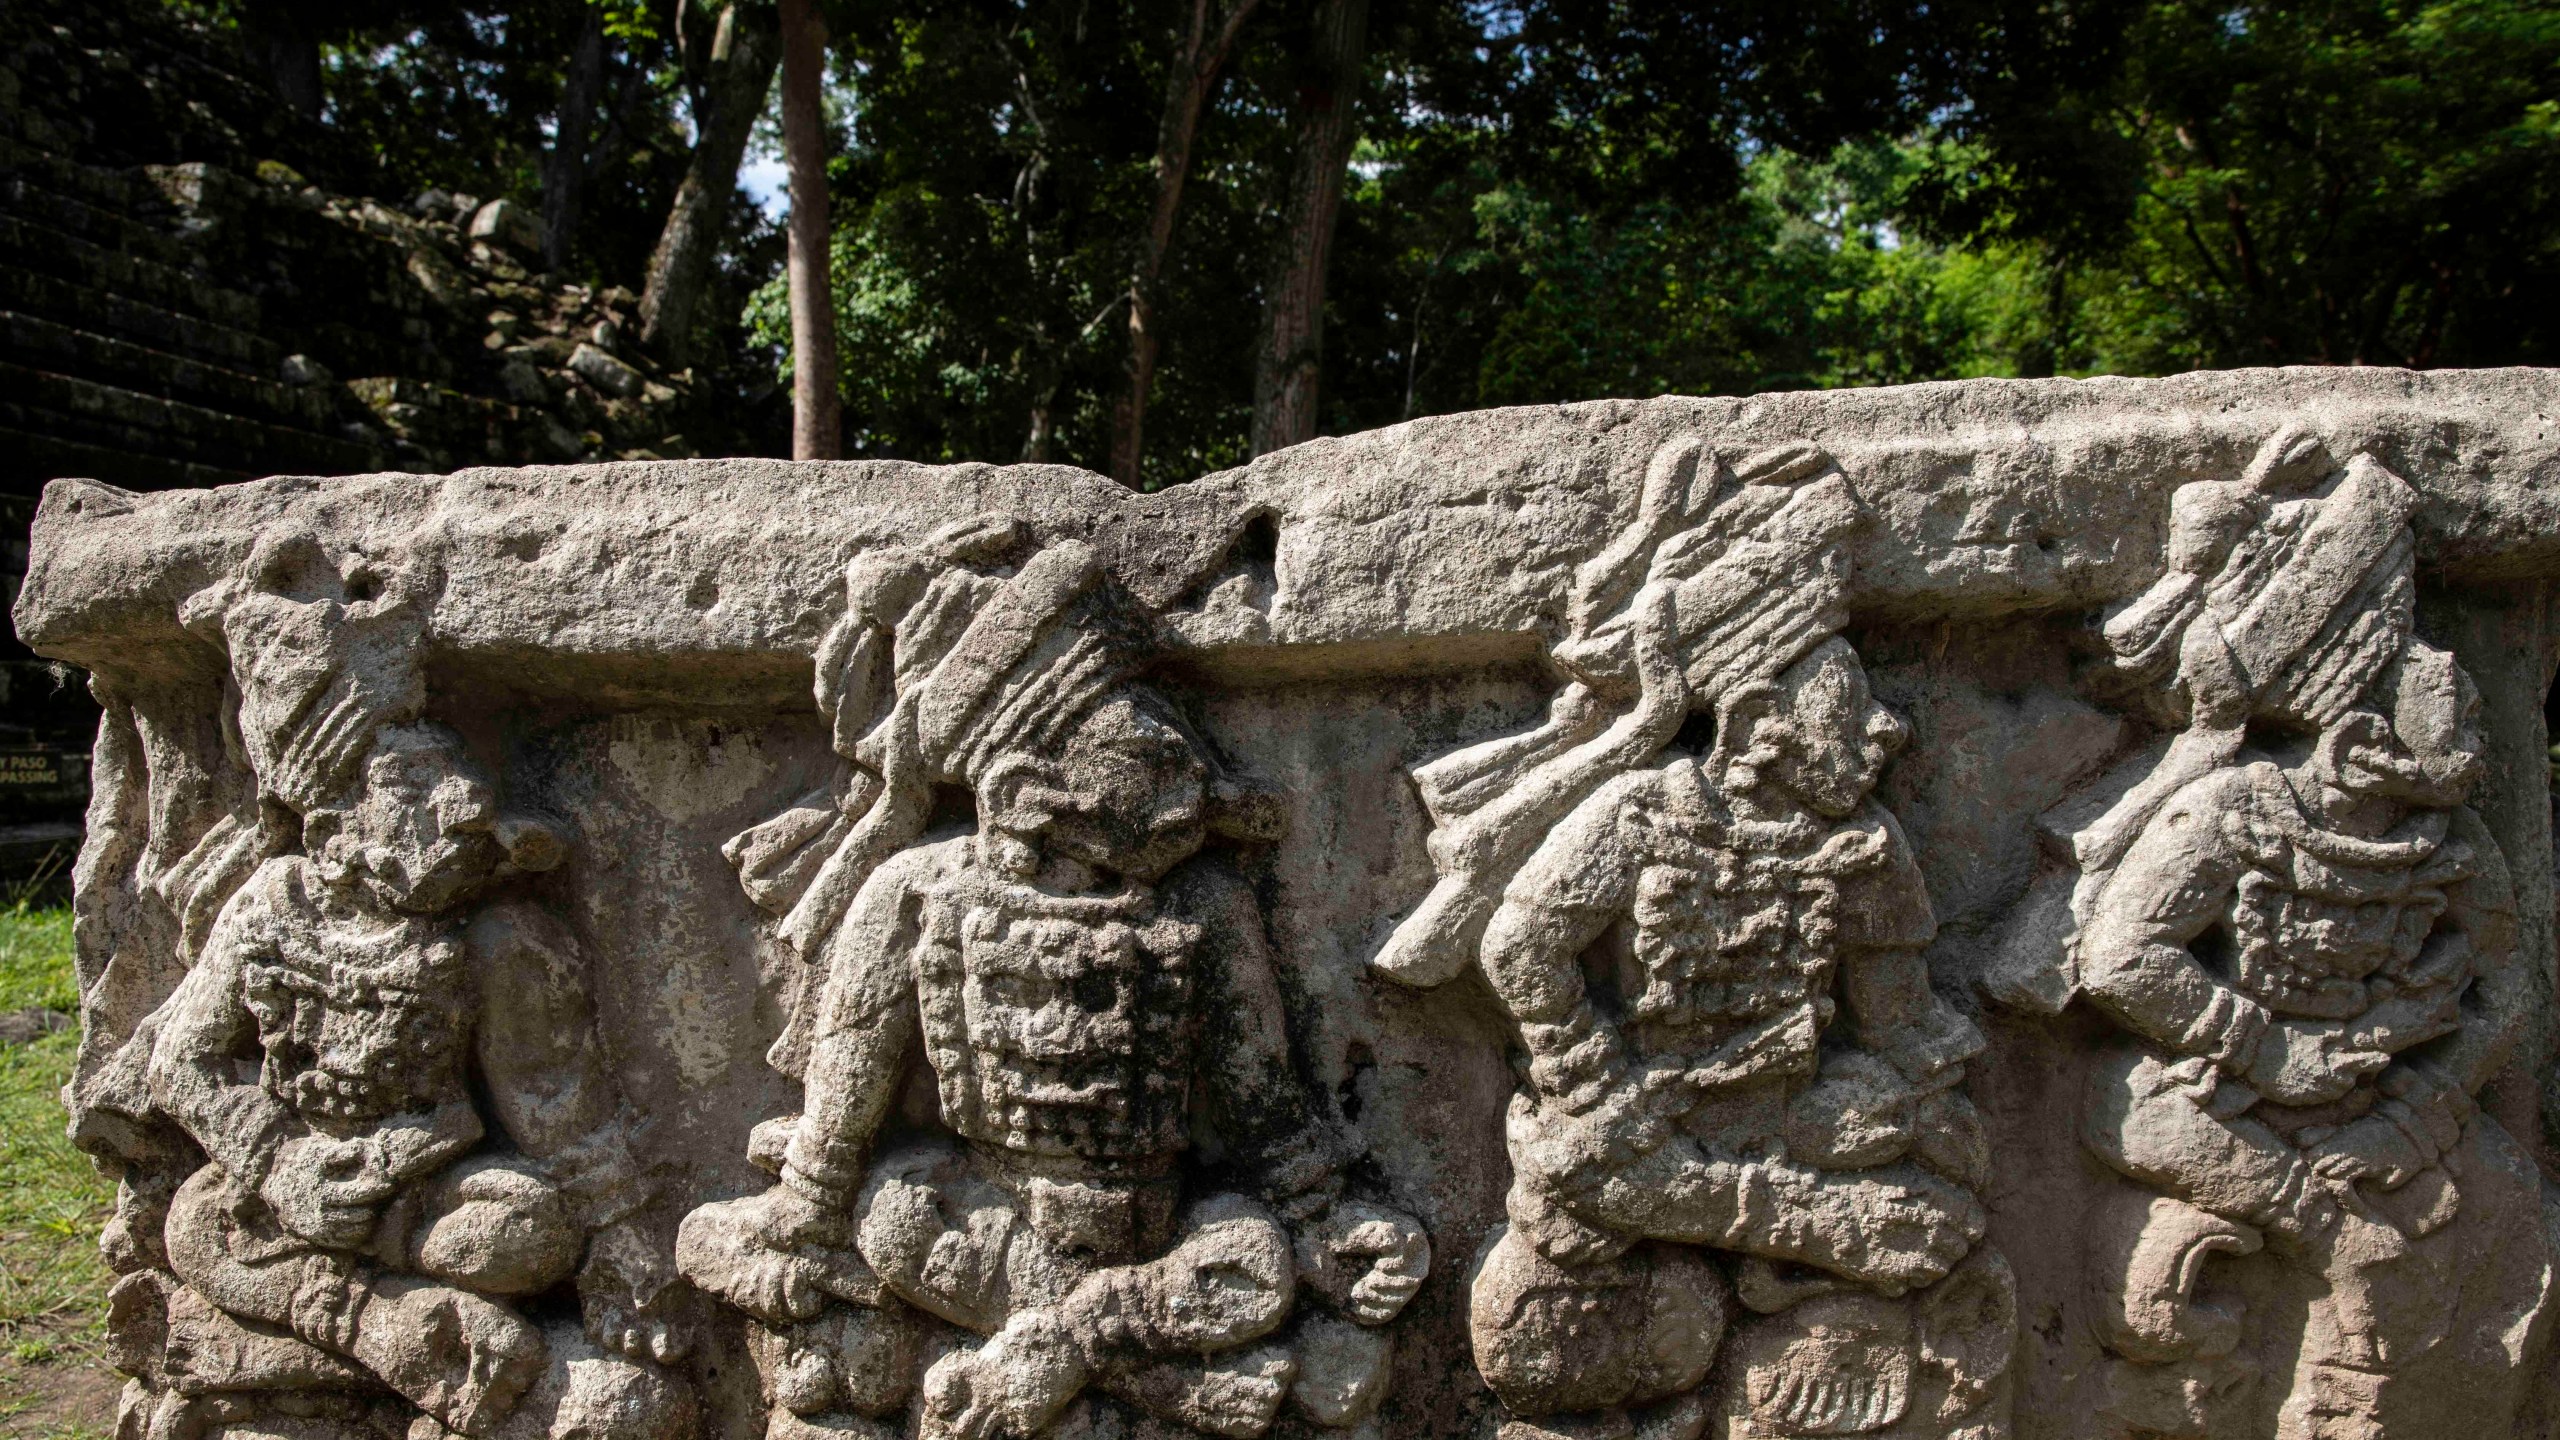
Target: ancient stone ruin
{"x":1979,"y":910}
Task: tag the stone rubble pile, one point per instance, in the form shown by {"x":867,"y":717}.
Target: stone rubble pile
{"x":182,"y":304}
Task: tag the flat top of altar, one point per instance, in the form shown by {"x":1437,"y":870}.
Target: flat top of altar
{"x":1456,"y":532}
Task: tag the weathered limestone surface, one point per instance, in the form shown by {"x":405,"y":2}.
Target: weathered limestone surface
{"x":1963,"y":911}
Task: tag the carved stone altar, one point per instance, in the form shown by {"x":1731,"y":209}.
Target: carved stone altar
{"x":1982,"y":910}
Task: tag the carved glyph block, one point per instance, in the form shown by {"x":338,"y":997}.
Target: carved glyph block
{"x":1980,"y":910}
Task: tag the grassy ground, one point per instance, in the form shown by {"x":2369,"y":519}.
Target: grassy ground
{"x":53,"y":1385}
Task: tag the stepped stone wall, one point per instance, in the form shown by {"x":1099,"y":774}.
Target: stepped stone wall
{"x":184,"y":299}
{"x":195,"y":290}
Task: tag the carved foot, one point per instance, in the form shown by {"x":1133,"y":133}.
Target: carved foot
{"x":1892,"y":1229}
{"x":1014,"y":1384}
{"x":462,"y":1359}
{"x":1237,"y":1396}
{"x":777,"y":1256}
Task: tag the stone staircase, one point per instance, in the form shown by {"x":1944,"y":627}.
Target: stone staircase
{"x":121,"y":360}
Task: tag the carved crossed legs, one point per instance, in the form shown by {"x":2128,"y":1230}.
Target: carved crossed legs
{"x":415,"y":1312}
{"x":462,"y":1359}
{"x":1172,"y":1335}
{"x":1722,"y":1176}
{"x":2404,"y":1312}
{"x":1605,"y":1215}
{"x":933,"y":1231}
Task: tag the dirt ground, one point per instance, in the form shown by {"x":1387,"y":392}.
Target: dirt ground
{"x":55,"y":1385}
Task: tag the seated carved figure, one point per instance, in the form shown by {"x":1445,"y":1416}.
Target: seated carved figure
{"x":2308,"y":939}
{"x":408,"y":1126}
{"x":1714,"y":964}
{"x":1714,"y":1103}
{"x":1082,"y":980}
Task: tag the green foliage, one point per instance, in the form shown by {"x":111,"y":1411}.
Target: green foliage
{"x":2336,"y":182}
{"x":1558,"y":200}
{"x":1802,"y":278}
{"x":35,"y":960}
{"x":1798,"y":282}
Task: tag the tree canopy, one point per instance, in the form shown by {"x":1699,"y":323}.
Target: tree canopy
{"x":1046,"y":211}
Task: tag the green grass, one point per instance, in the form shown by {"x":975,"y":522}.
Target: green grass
{"x":53,"y":1287}
{"x":51,"y":1199}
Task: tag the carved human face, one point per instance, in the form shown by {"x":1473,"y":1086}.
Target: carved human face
{"x":1831,"y":736}
{"x":2434,"y":721}
{"x":1129,"y":793}
{"x":419,"y":825}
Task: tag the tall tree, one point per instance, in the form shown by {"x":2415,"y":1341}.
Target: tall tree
{"x":565,"y":164}
{"x":817,"y":422}
{"x":732,"y":78}
{"x":1288,"y":360}
{"x":1191,"y":81}
{"x":606,"y":52}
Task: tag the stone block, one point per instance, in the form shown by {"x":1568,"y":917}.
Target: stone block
{"x":504,"y":222}
{"x":1972,"y":910}
{"x":603,"y":370}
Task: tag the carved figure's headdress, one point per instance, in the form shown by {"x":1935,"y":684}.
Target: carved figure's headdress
{"x":1757,"y":581}
{"x":1728,"y":593}
{"x":323,"y":652}
{"x":971,"y":662}
{"x":2274,"y":607}
{"x":946,"y":658}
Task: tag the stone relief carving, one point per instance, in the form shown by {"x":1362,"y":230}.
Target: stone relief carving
{"x":1954,"y":912}
{"x":2306,"y":940}
{"x":1085,"y":982}
{"x":1744,"y":1169}
{"x":378,"y":1087}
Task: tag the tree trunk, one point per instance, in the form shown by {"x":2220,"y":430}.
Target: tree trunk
{"x":732,"y":96}
{"x":564,"y":165}
{"x":1289,"y":361}
{"x":1189,"y":82}
{"x":817,"y":429}
{"x":289,"y":53}
{"x":1044,"y":418}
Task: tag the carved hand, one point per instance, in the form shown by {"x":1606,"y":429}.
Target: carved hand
{"x":1366,"y":1259}
{"x":2309,"y":1064}
{"x":328,"y":1191}
{"x":2372,"y":1149}
{"x":628,"y":1287}
{"x":2420,"y":1119}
